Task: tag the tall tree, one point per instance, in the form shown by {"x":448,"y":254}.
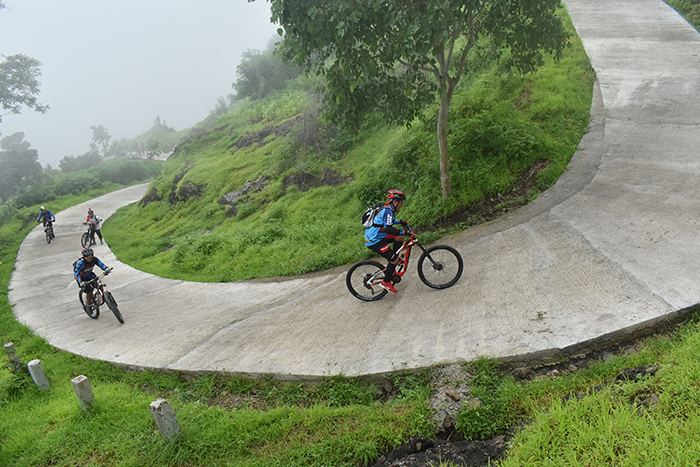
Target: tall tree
{"x":398,"y":55}
{"x":100,"y":138}
{"x":18,"y":83}
{"x":262,"y":73}
{"x":19,"y":166}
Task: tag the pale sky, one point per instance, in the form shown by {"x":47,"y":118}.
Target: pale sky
{"x":122,"y":63}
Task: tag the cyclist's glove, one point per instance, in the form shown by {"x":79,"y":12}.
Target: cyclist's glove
{"x":82,"y":285}
{"x":108,"y":270}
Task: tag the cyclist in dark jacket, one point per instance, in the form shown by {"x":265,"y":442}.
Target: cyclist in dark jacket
{"x":83,"y":273}
{"x":48,"y":218}
{"x":382,"y":233}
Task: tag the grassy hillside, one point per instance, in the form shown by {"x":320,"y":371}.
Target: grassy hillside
{"x":269,"y":190}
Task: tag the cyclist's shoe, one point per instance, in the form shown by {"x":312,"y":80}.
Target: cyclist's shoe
{"x":93,"y":243}
{"x":101,"y":242}
{"x":388,"y":286}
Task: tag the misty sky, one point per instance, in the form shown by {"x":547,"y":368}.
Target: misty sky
{"x":121,"y":64}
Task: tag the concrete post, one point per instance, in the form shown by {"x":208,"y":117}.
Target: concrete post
{"x":165,"y":419}
{"x":13,"y":360}
{"x":82,"y":388}
{"x":37,"y":371}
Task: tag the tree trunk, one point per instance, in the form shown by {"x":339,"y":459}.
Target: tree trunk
{"x":445,"y":99}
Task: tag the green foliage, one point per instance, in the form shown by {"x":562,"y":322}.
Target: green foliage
{"x":689,"y":9}
{"x":71,"y":164}
{"x":19,"y":84}
{"x":106,"y":175}
{"x":262,"y":73}
{"x":497,"y":412}
{"x":19,"y":165}
{"x":339,"y":391}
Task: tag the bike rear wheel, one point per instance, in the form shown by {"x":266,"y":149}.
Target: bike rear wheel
{"x":440,"y":267}
{"x":94,"y":313}
{"x":85,"y":240}
{"x":363,"y":280}
{"x":112,"y":304}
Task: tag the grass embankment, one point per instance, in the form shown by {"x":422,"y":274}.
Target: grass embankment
{"x":316,"y":181}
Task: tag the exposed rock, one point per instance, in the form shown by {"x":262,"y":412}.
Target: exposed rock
{"x":150,"y":197}
{"x":307,"y":181}
{"x":233,"y":198}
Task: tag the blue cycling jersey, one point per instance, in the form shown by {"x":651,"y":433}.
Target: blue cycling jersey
{"x":385,"y":218}
{"x":83,"y":269}
{"x":48,"y":217}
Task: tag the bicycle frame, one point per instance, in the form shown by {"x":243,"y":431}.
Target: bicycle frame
{"x":405,"y":253}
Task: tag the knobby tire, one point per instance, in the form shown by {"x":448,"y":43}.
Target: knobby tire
{"x":444,"y":270}
{"x":112,"y":304}
{"x":96,"y":312}
{"x":48,"y":235}
{"x":357,"y":277}
{"x":85,"y":240}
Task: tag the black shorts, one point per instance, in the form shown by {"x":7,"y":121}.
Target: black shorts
{"x":384,"y":249}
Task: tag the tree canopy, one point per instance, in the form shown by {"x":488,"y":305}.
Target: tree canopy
{"x":19,"y":166}
{"x":397,"y":56}
{"x":261,"y":73}
{"x":19,"y":85}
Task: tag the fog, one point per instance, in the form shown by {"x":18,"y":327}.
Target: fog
{"x":122,"y":64}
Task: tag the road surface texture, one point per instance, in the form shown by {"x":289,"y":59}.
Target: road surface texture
{"x":611,"y":251}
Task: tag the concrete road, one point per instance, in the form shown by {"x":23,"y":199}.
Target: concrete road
{"x":610,"y":251}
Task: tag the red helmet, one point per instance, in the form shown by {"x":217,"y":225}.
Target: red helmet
{"x":397,"y":195}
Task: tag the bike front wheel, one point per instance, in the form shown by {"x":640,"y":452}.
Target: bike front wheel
{"x":112,"y":304}
{"x":94,"y":313}
{"x":440,"y":267}
{"x":363,"y":280}
{"x":85,"y":240}
{"x":48,"y":235}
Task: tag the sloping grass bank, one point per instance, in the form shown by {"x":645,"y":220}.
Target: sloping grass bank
{"x":271,"y":191}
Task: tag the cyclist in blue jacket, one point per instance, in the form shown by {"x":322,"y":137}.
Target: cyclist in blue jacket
{"x":82,"y":272}
{"x":48,"y":218}
{"x":382,"y":233}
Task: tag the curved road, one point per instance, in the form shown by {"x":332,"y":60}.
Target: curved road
{"x":610,"y":251}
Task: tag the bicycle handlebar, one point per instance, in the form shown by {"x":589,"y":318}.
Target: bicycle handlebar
{"x":98,"y":277}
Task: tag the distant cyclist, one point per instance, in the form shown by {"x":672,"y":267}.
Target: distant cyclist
{"x":83,"y":274}
{"x":95,"y":223}
{"x":382,"y":233}
{"x":48,"y":219}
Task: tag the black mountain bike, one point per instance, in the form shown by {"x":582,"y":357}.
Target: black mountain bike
{"x":100,"y":296}
{"x":439,"y":267}
{"x":85,"y":240}
{"x":48,"y":231}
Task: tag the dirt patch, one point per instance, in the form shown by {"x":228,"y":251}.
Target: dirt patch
{"x":489,"y":208}
{"x":186,"y":191}
{"x":28,"y":220}
{"x":307,"y":181}
{"x":150,"y":197}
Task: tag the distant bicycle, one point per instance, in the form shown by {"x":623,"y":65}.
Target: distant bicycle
{"x":85,"y":240}
{"x":48,"y":231}
{"x":439,"y":267}
{"x":100,"y":296}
